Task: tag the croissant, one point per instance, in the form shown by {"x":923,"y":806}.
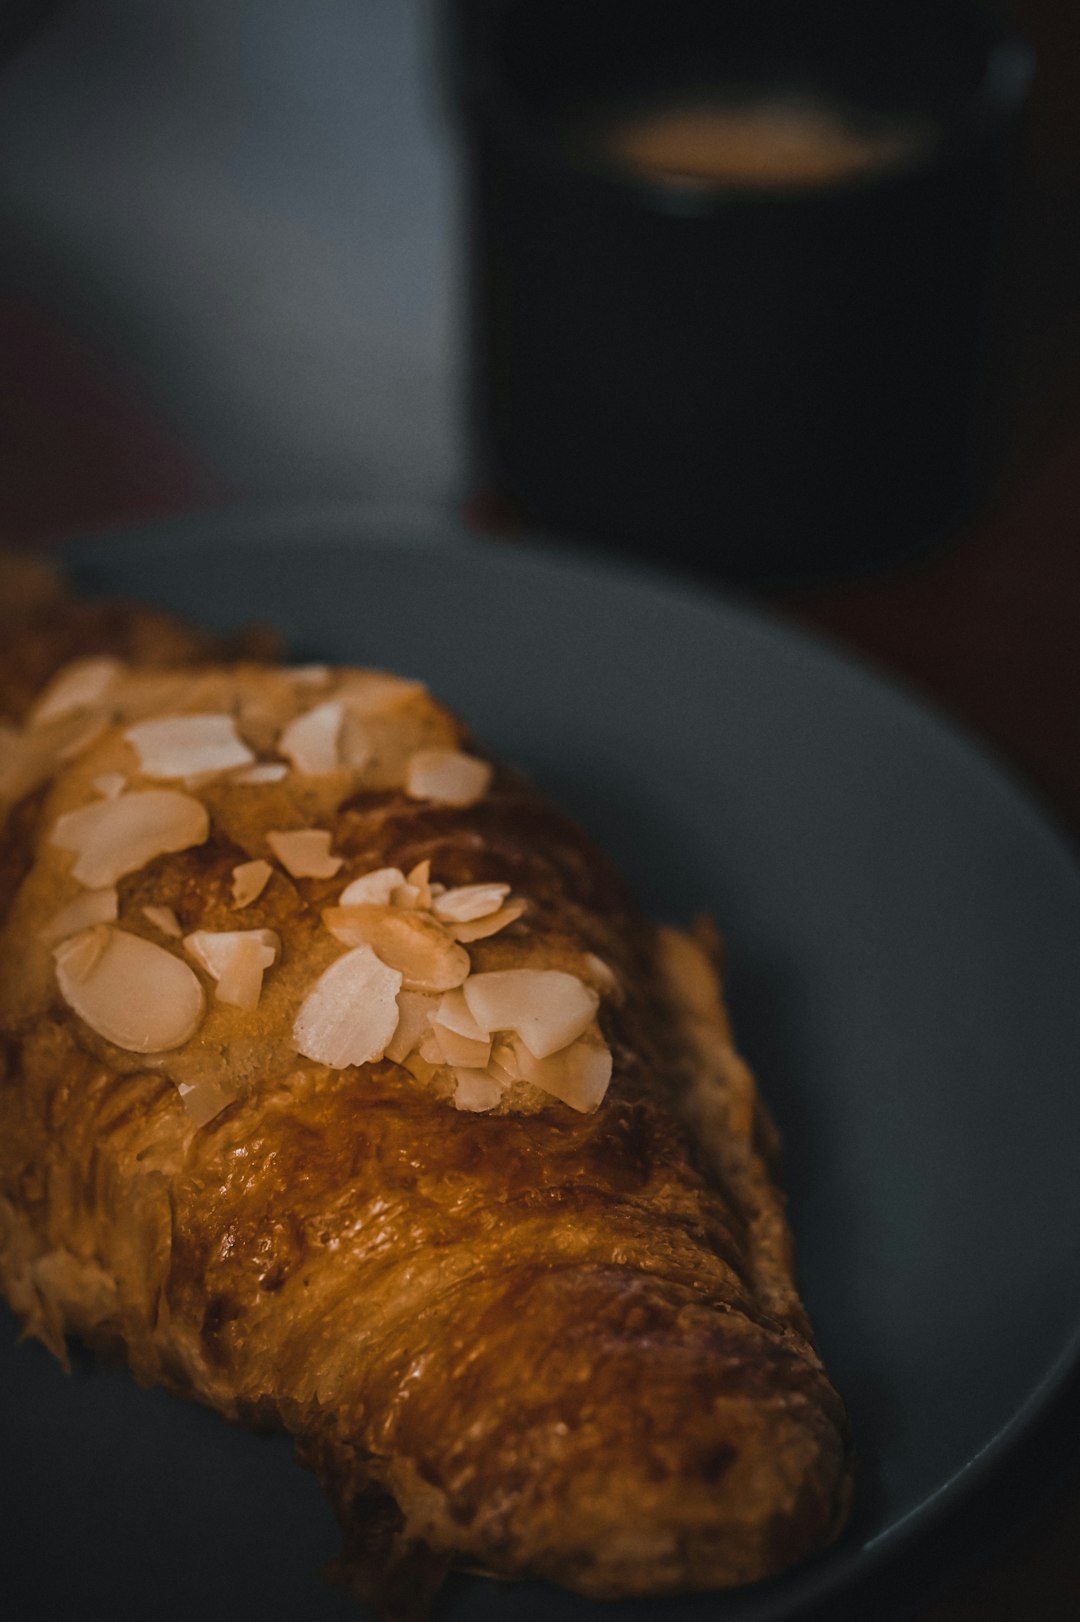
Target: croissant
{"x":346,"y":1091}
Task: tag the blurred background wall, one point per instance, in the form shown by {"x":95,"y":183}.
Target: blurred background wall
{"x":229,"y":262}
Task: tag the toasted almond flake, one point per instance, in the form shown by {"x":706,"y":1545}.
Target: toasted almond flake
{"x":110,"y":785}
{"x":249,"y":880}
{"x":351,"y":1013}
{"x":415,"y":1009}
{"x":237,"y":959}
{"x":408,"y":898}
{"x":215,"y":949}
{"x":424,"y":1072}
{"x":86,"y":729}
{"x":114,"y":837}
{"x":470,"y":901}
{"x":305,"y":852}
{"x":92,"y":907}
{"x":579,"y":1075}
{"x":372,"y":889}
{"x":311,"y":740}
{"x":546,"y":1007}
{"x":457,"y":1033}
{"x":310,"y":675}
{"x":446,"y":776}
{"x":80,"y":954}
{"x":416,"y":891}
{"x":476,"y":1091}
{"x":30,"y":758}
{"x":412,"y":942}
{"x":503,"y":1064}
{"x":165,"y":919}
{"x":374,"y":692}
{"x":355,"y":743}
{"x":453,"y":1013}
{"x":188,"y":745}
{"x":266,"y":771}
{"x":460,"y":1050}
{"x":480,"y":928}
{"x":130,"y":991}
{"x":76,"y":686}
{"x":431,"y":1049}
{"x":603,"y":975}
{"x":241,"y":983}
{"x":204,"y":1099}
{"x":25,"y":763}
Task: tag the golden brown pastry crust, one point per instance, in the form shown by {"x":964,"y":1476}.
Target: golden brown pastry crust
{"x":545,"y":1344}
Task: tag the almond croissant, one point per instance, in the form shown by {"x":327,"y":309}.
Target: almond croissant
{"x":408,"y":1134}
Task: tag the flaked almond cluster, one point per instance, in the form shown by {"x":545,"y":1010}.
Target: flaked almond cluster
{"x":130,"y":991}
{"x":402,"y":989}
{"x":405,"y":990}
{"x":236,"y":960}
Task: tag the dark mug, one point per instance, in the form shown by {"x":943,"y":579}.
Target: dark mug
{"x":774,"y":364}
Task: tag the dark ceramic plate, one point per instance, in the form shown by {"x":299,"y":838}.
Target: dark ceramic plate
{"x":904,"y":930}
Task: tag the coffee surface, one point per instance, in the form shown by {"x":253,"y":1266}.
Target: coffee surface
{"x":772,"y":142}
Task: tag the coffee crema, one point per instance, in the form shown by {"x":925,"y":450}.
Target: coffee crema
{"x":778,"y":141}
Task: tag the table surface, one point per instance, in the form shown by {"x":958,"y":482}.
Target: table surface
{"x":200,"y":262}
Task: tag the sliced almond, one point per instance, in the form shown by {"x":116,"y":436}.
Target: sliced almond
{"x":110,"y":785}
{"x":470,"y":901}
{"x":114,"y":837}
{"x":305,"y":852}
{"x":249,"y":880}
{"x":476,"y":1091}
{"x":603,"y":975}
{"x":372,"y":889}
{"x":416,"y":891}
{"x":546,"y":1007}
{"x":351,"y":1013}
{"x":80,"y":954}
{"x":311,"y":741}
{"x":188,"y":745}
{"x":22,"y":767}
{"x":460,"y":1050}
{"x":80,"y":685}
{"x":431,"y":1049}
{"x":478,"y":929}
{"x":92,"y":907}
{"x":375,"y":692}
{"x":131,"y":992}
{"x":264,"y":771}
{"x":236,"y":959}
{"x":424,"y":1072}
{"x":31,"y":757}
{"x":453,"y":1013}
{"x":408,"y":898}
{"x":355,"y":743}
{"x":84,"y":729}
{"x":310,"y":675}
{"x":503,"y":1064}
{"x":412,"y":942}
{"x":447,"y":776}
{"x":579,"y":1075}
{"x":204,"y":1099}
{"x":415,"y":1009}
{"x":165,"y":919}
